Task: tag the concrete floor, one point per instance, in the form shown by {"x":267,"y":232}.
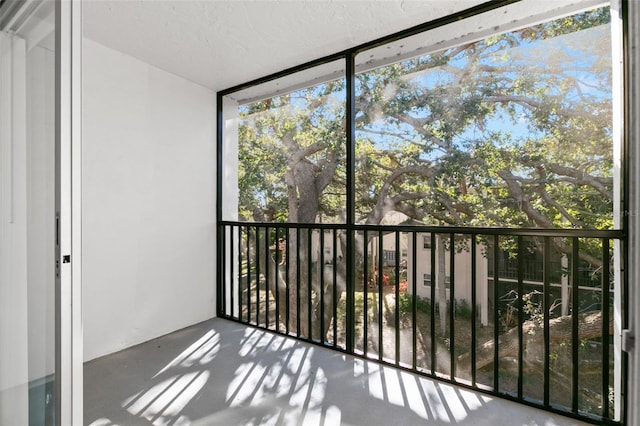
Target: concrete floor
{"x":222,"y":373}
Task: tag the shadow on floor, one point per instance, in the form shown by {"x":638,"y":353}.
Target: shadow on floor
{"x":222,"y":373}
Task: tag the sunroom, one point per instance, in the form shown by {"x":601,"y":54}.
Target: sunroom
{"x":332,"y":212}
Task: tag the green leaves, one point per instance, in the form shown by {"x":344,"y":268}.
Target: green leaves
{"x":511,"y":131}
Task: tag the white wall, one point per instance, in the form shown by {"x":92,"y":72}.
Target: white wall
{"x":148,"y":201}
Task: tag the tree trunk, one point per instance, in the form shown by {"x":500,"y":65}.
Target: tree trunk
{"x":273,"y":274}
{"x":589,"y":327}
{"x":442,"y":286}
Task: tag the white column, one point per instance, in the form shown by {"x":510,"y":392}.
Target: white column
{"x":230,"y":193}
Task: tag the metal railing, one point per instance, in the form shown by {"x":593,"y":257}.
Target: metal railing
{"x":541,"y":342}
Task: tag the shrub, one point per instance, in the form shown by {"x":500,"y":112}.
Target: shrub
{"x":463,"y":309}
{"x":405,"y":303}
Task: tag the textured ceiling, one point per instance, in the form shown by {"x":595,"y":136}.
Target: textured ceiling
{"x":222,"y":43}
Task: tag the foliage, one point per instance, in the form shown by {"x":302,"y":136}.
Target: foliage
{"x":510,"y":131}
{"x":463,"y":309}
{"x":514,"y":130}
{"x":405,"y":303}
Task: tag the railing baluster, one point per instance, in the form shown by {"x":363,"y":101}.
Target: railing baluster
{"x":474,"y":309}
{"x":452,"y":305}
{"x":276,"y":287}
{"x":380,"y":294}
{"x":287,"y":257}
{"x":414,"y":301}
{"x":546,"y":295}
{"x":496,"y":323}
{"x":432,"y":285}
{"x":520,"y":317}
{"x":335,"y":288}
{"x":267,"y":257}
{"x":240,"y":273}
{"x":397,"y":296}
{"x":258,"y":275}
{"x":575,"y":342}
{"x":223,"y":272}
{"x":321,"y":278}
{"x":605,"y":327}
{"x":248,"y":274}
{"x":232,"y":278}
{"x":309,"y":283}
{"x":298,"y":282}
{"x":365,"y":302}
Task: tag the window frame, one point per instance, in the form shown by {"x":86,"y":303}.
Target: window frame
{"x":349,"y":57}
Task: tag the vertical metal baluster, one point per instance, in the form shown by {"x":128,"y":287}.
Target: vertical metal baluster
{"x":414,"y":302}
{"x":397,"y":296}
{"x":298,"y":229}
{"x":277,"y":276}
{"x":474,"y":309}
{"x":546,"y":295}
{"x":496,"y":324}
{"x":223,"y":272}
{"x":257,"y":275}
{"x":365,"y":302}
{"x":321,"y":279}
{"x":380,"y":306}
{"x":335,"y":288}
{"x":248,"y":274}
{"x":520,"y":316}
{"x":232,"y":278}
{"x":605,"y":327}
{"x":309,"y":283}
{"x":287,"y":290}
{"x":267,"y":257}
{"x":452,"y":305}
{"x":433,"y":304}
{"x":240,"y":302}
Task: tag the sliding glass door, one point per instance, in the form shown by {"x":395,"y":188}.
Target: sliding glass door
{"x":36,"y":275}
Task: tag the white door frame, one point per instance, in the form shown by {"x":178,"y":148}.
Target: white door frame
{"x":68,"y":134}
{"x":632,"y":105}
{"x":69,"y":353}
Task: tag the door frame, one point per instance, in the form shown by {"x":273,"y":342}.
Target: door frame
{"x":68,"y":293}
{"x":68,"y":190}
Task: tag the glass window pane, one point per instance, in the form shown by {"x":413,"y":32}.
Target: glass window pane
{"x":27,"y":216}
{"x":290,"y":139}
{"x":508,"y":130}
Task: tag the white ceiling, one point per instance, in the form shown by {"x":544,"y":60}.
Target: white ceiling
{"x":221,"y":43}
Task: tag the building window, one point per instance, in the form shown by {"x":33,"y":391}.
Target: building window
{"x":426,"y":242}
{"x":426,"y":280}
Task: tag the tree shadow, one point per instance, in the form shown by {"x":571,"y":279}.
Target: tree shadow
{"x":222,"y":372}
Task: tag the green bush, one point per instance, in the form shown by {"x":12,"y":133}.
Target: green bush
{"x":463,"y":309}
{"x":405,"y":303}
